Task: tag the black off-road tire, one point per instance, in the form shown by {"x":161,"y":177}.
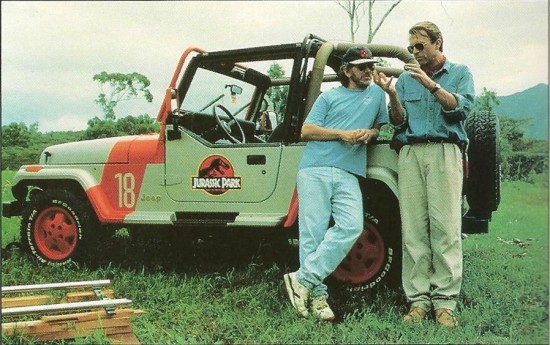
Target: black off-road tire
{"x":482,"y":186}
{"x":375,"y":259}
{"x":57,"y":226}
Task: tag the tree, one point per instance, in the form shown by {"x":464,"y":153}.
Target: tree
{"x":486,"y":101}
{"x":142,"y":124}
{"x":18,"y":134}
{"x":129,"y":125}
{"x":278,"y":94}
{"x":98,"y":128}
{"x":22,"y":145}
{"x":356,"y":10}
{"x":352,"y":9}
{"x":511,"y":131}
{"x":123,"y":87}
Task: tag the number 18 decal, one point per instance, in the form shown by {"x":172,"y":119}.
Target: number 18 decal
{"x":126,"y":194}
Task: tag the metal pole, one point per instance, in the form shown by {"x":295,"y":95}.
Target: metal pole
{"x":63,"y":307}
{"x":69,"y":285}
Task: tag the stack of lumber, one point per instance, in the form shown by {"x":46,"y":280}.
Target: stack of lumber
{"x":67,"y":311}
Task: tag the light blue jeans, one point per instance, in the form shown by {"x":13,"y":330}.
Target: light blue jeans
{"x":324,"y":192}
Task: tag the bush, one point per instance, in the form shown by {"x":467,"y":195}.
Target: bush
{"x":524,"y":166}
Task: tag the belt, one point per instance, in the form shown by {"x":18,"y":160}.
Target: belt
{"x":412,"y":141}
{"x":461,"y":144}
{"x":397,"y":145}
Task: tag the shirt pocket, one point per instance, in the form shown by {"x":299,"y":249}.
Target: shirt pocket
{"x":414,"y":96}
{"x":413,"y":103}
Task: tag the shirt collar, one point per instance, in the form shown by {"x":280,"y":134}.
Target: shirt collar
{"x":430,"y":71}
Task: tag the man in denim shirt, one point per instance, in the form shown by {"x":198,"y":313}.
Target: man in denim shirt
{"x":341,"y":122}
{"x":428,"y":106}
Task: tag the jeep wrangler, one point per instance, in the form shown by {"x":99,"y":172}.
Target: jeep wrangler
{"x":226,"y":158}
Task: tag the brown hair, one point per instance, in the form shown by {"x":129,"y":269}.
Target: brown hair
{"x":344,"y":80}
{"x":429,"y":28}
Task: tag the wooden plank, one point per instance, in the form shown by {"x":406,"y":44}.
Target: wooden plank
{"x":81,"y":296}
{"x":91,"y":315}
{"x":44,"y":331}
{"x":42,"y":327}
{"x":119,"y":330}
{"x":53,"y":320}
{"x":74,"y":333}
{"x":9,"y":328}
{"x":53,"y":286}
{"x":63,"y":307}
{"x":24,"y":301}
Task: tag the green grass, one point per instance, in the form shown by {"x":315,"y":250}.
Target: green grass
{"x":209,"y":292}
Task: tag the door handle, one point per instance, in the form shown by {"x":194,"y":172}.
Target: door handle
{"x":255,"y":160}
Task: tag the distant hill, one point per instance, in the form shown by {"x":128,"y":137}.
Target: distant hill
{"x":528,"y":104}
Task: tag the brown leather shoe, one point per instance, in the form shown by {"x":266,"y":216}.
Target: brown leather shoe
{"x":415,"y":315}
{"x":445,"y":317}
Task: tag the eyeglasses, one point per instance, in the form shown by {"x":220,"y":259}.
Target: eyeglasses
{"x":419,"y":46}
{"x":364,"y":66}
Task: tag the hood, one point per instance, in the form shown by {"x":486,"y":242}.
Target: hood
{"x":98,"y":151}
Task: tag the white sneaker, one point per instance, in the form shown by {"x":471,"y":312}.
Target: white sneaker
{"x":297,"y":293}
{"x":321,"y":309}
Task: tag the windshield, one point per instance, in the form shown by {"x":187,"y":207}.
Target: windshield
{"x":209,"y":88}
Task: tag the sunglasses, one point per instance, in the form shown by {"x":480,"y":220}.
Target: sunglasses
{"x":364,"y":66}
{"x":419,"y":46}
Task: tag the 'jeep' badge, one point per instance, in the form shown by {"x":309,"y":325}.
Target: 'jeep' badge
{"x":216,"y":176}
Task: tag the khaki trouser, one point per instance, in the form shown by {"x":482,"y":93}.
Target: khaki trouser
{"x":430,"y":187}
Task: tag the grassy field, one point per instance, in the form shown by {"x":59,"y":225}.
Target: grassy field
{"x":210,"y":292}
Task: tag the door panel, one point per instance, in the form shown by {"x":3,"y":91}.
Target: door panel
{"x":221,"y":173}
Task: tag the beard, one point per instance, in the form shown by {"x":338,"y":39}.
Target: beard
{"x":360,"y":82}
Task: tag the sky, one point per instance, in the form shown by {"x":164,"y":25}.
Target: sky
{"x":50,"y":51}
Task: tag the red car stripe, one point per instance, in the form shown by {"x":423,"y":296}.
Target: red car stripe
{"x":116,"y":195}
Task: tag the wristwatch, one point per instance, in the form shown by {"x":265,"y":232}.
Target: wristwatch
{"x":435,"y":88}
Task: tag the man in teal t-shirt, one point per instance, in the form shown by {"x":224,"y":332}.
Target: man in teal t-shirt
{"x":341,"y":122}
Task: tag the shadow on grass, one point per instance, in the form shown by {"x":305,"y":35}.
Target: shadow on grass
{"x":224,"y":254}
{"x":193,"y":253}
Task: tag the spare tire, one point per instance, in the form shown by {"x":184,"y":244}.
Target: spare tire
{"x":482,"y":186}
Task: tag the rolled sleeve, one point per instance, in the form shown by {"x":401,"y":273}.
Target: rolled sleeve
{"x":465,"y":96}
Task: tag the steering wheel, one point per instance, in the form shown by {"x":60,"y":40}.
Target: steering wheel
{"x":227,"y":126}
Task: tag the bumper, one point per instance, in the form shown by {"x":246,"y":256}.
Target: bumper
{"x":12,"y":208}
{"x":475,"y":225}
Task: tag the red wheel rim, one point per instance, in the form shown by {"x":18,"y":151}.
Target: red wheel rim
{"x":365,"y":259}
{"x":55,"y":233}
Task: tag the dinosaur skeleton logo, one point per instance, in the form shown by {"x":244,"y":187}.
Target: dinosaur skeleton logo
{"x":216,"y":176}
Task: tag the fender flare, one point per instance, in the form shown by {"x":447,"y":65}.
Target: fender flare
{"x":87,"y":181}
